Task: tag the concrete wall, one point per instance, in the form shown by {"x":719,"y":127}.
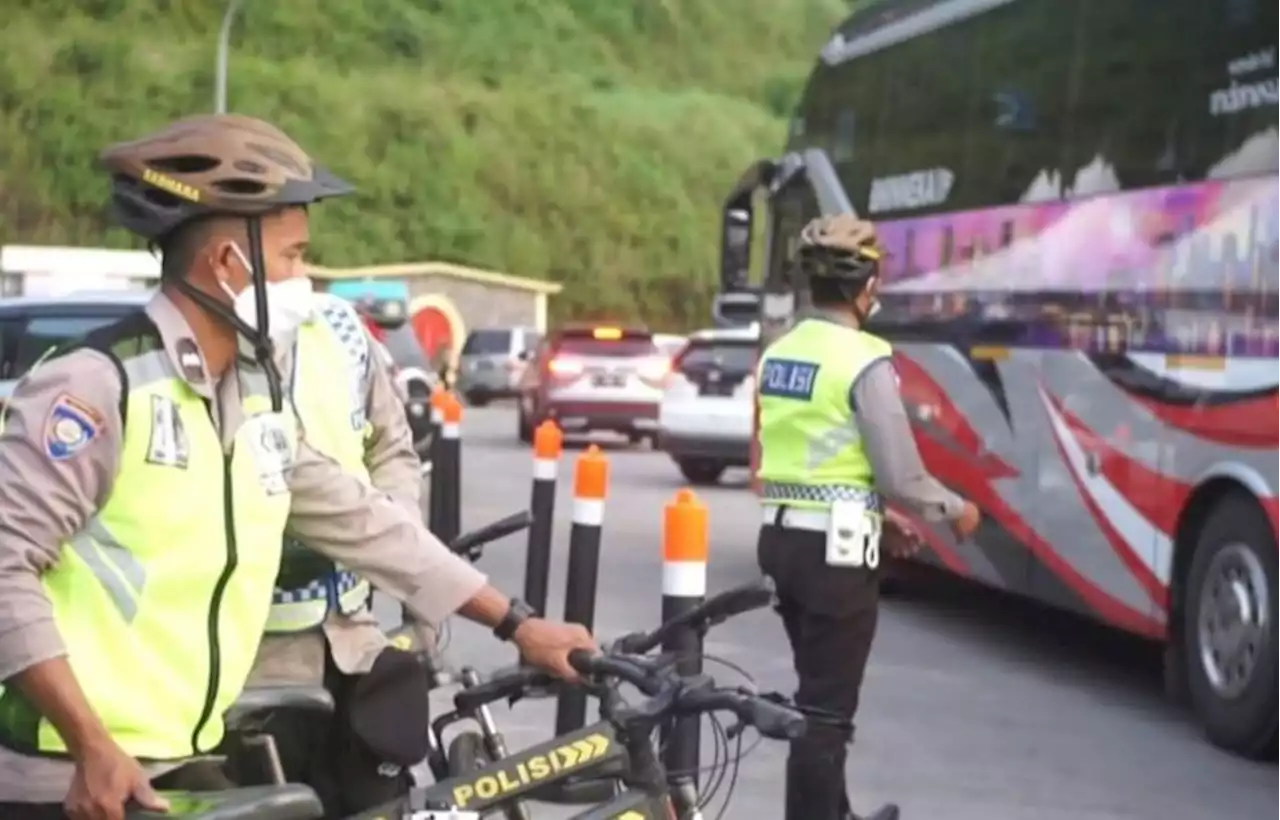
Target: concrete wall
{"x":480,"y":305}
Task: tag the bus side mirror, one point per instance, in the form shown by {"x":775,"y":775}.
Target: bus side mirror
{"x":735,"y":248}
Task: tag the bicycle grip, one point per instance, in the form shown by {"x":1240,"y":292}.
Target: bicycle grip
{"x":582,"y":661}
{"x":773,"y":720}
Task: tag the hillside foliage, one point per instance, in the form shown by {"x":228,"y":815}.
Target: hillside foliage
{"x":588,"y":142}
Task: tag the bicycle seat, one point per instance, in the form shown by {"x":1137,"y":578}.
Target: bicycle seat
{"x":256,"y":701}
{"x":291,"y":802}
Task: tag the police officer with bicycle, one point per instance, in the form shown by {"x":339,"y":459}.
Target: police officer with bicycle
{"x":835,"y":444}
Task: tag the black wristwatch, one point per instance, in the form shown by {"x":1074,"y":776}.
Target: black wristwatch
{"x":517,"y":613}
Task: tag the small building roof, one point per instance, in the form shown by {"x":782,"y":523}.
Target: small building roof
{"x":443,"y":269}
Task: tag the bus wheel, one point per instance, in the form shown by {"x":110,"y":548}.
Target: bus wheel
{"x":1230,"y":627}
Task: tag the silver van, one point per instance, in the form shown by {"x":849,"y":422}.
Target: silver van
{"x":492,"y":361}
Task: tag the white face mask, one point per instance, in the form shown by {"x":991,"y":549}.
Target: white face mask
{"x":290,"y":302}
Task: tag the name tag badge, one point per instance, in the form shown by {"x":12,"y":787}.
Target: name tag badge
{"x":269,"y":442}
{"x":853,"y":536}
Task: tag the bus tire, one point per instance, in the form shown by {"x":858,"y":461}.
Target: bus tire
{"x":468,"y":753}
{"x":1229,"y":631}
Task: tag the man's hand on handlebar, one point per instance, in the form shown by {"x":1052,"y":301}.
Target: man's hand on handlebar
{"x":106,"y":779}
{"x":547,"y":645}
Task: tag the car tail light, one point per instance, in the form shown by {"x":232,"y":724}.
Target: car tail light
{"x":655,"y":370}
{"x":563,"y":367}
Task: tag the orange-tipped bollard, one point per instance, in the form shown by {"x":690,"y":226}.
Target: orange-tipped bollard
{"x":590,"y":485}
{"x":435,"y":498}
{"x":685,"y":540}
{"x":685,"y":546}
{"x":548,"y":443}
{"x":447,"y":469}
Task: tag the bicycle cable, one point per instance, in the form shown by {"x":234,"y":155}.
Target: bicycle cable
{"x":733,"y":779}
{"x":719,"y":762}
{"x":726,"y":764}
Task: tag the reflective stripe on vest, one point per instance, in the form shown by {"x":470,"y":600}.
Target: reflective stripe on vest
{"x":302,"y":609}
{"x":161,"y":606}
{"x":334,"y":428}
{"x":810,"y":450}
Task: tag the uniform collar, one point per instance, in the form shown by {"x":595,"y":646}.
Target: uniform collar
{"x":180,"y":343}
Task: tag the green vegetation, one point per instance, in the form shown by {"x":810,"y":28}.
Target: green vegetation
{"x":584,"y":141}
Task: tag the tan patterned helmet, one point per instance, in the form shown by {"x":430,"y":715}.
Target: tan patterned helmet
{"x":207,"y":165}
{"x":840,"y":247}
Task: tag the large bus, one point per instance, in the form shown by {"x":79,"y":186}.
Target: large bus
{"x":1080,"y":202}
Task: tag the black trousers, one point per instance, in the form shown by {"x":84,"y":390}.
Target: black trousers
{"x":829,"y":614}
{"x":200,"y":776}
{"x":338,"y":758}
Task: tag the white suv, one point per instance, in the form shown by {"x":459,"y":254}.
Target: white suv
{"x":706,"y":418}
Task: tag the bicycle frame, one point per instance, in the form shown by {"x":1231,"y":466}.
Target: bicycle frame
{"x":595,"y":749}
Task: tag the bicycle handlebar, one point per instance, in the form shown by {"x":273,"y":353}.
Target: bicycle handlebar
{"x":716,"y":609}
{"x":470,"y":544}
{"x":668,"y":692}
{"x":673,"y":694}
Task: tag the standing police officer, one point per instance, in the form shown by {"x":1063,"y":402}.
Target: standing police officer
{"x":835,"y":442}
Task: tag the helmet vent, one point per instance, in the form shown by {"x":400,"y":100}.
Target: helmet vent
{"x":185,"y":164}
{"x":240,"y":186}
{"x":249,"y":166}
{"x":279,"y":157}
{"x":161,"y":199}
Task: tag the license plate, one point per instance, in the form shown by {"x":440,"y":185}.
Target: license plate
{"x":608,"y":381}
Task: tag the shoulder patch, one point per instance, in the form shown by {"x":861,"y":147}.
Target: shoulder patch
{"x":70,"y":426}
{"x":788,"y":379}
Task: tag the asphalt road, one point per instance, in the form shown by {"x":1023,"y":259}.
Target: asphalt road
{"x":974,"y":707}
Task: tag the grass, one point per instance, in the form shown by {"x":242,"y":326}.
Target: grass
{"x":588,"y":142}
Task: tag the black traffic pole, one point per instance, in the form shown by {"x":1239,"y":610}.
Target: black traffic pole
{"x":685,"y":540}
{"x":590,"y":483}
{"x":435,"y":491}
{"x":448,"y":471}
{"x":548,"y":442}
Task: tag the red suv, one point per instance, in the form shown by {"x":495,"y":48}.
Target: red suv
{"x":594,"y":377}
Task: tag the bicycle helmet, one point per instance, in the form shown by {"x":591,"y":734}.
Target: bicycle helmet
{"x":840,"y":247}
{"x":217,"y":165}
{"x":211,"y":164}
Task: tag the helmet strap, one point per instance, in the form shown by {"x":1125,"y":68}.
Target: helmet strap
{"x":259,"y":338}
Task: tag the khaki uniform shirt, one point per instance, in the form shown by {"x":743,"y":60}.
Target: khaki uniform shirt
{"x":43,"y":502}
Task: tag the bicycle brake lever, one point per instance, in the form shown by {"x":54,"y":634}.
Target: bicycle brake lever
{"x":626,"y":645}
{"x":654,"y":709}
{"x":535,"y":693}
